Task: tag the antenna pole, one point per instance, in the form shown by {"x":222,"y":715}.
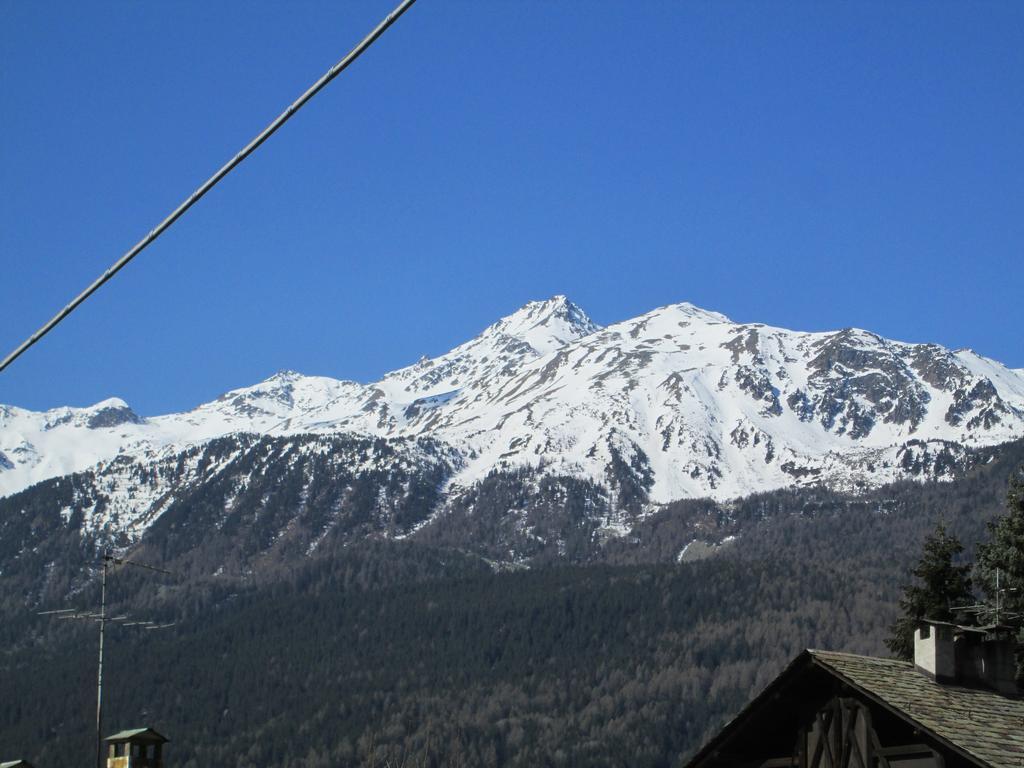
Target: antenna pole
{"x":99,"y":674}
{"x":109,"y":561}
{"x":998,"y":596}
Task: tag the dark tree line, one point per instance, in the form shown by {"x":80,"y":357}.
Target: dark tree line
{"x":581,"y":666}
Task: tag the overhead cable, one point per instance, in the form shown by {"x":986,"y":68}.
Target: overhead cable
{"x":209,"y":184}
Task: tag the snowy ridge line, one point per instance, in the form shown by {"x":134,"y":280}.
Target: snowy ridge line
{"x":693,"y":403}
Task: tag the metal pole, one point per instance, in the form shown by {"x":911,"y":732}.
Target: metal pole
{"x":99,"y":674}
{"x":108,"y":562}
{"x":249,"y":148}
{"x":999,"y":595}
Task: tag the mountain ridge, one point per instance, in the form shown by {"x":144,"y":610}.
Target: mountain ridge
{"x":696,"y":404}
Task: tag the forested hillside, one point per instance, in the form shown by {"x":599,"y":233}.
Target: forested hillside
{"x":563,"y":666}
{"x":416,"y":652}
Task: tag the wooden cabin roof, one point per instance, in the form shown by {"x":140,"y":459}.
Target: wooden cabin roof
{"x":985,"y":724}
{"x":984,"y":727}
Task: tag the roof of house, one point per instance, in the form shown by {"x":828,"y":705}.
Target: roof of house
{"x":983,"y":726}
{"x":138,"y":734}
{"x":986,"y":725}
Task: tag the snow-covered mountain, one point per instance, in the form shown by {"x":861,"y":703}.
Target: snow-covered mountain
{"x":692,"y":403}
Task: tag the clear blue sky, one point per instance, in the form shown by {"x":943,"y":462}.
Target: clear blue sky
{"x":810,"y":165}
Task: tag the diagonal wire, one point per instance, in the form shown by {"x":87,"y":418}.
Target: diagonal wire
{"x":249,"y":148}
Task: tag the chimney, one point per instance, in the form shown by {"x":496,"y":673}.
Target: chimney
{"x":934,"y":654}
{"x":979,"y":657}
{"x":985,"y":658}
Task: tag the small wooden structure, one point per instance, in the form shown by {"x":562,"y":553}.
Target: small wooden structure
{"x":137,"y":748}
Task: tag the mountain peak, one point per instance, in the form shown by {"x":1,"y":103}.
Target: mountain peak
{"x":545,"y":325}
{"x":535,"y":329}
{"x":110,"y":402}
{"x":285,"y":376}
{"x":698,"y":313}
{"x":111,"y":412}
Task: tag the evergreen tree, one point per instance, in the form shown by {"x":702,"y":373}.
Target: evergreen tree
{"x":1004,"y":551}
{"x":941,"y":583}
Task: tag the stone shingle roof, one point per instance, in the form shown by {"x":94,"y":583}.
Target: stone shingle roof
{"x":985,"y":725}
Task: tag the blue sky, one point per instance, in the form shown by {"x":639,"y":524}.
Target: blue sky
{"x":809,"y":165}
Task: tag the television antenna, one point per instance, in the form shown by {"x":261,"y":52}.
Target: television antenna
{"x":74,"y":614}
{"x":997,"y":608}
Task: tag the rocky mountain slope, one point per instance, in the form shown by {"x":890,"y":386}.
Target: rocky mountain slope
{"x":677,"y":403}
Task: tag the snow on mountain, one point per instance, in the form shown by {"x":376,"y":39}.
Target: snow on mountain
{"x":269,"y":406}
{"x":691,"y":402}
{"x":39,"y":445}
{"x":722,"y":409}
{"x":406,"y":401}
{"x":538,"y":329}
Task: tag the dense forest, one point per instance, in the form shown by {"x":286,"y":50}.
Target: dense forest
{"x":425,"y":653}
{"x":593,"y":665}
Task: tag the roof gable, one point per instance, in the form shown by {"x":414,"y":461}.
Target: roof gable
{"x":985,"y":728}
